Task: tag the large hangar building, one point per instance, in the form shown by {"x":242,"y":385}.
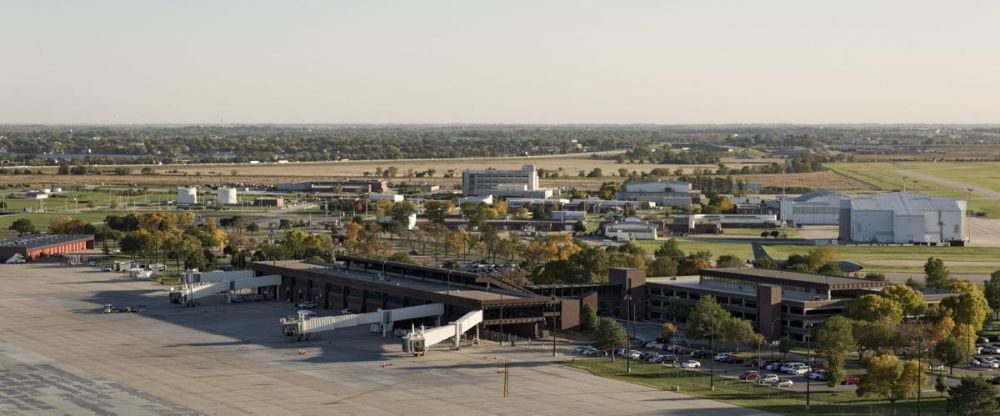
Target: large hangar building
{"x":904,"y":218}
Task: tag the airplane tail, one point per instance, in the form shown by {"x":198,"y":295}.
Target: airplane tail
{"x":759,"y":253}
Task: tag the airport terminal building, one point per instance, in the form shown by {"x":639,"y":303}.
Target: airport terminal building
{"x":366,"y":285}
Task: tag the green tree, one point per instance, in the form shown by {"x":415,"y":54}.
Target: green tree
{"x":892,"y":379}
{"x":941,"y":384}
{"x":973,"y":396}
{"x":991,"y":290}
{"x":951,"y":352}
{"x":970,"y":308}
{"x":834,"y":340}
{"x":873,"y":308}
{"x":875,"y":276}
{"x":784,"y":346}
{"x":727,"y":260}
{"x":737,"y":331}
{"x":23,"y":226}
{"x":835,"y":372}
{"x":588,"y":318}
{"x":610,"y":334}
{"x":670,"y":249}
{"x":662,"y":267}
{"x":707,"y":319}
{"x":911,"y":301}
{"x":878,"y":336}
{"x":830,"y":269}
{"x":937,"y":275}
{"x":820,"y":256}
{"x":436,"y":211}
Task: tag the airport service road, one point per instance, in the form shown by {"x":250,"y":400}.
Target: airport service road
{"x":59,"y":354}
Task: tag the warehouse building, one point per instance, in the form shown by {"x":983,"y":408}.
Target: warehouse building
{"x":34,"y":247}
{"x":904,"y":218}
{"x":357,"y":186}
{"x":678,"y":194}
{"x":631,"y":229}
{"x":813,"y":208}
{"x":503,"y":182}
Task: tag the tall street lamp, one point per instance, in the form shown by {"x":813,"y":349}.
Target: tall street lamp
{"x":628,"y":349}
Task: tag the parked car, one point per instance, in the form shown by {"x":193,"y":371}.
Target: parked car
{"x":668,"y":359}
{"x":756,"y":363}
{"x":851,"y":381}
{"x":819,"y":375}
{"x":691,"y":364}
{"x":722,"y":356}
{"x":799,"y":370}
{"x":306,"y":305}
{"x":783,"y":383}
{"x":750,"y":375}
{"x":700,"y":354}
{"x":788,"y":366}
{"x":107,"y":269}
{"x":767,"y":379}
{"x":932,"y":367}
{"x":735,"y":360}
{"x":773,"y":365}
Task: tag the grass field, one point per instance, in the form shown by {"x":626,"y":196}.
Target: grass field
{"x":948,"y":179}
{"x":841,"y":403}
{"x":907,"y":258}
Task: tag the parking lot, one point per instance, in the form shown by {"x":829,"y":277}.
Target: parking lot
{"x":61,"y":354}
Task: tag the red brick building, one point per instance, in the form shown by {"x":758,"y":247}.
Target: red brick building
{"x":34,"y":247}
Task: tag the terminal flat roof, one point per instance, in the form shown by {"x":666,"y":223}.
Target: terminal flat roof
{"x":43,"y":240}
{"x":794,"y":278}
{"x":396,"y":280}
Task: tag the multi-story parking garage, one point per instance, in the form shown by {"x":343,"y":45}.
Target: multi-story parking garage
{"x":366,"y":285}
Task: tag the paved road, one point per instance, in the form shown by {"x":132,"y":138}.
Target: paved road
{"x":60,"y":355}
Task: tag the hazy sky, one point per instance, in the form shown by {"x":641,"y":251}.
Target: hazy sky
{"x":663,"y":61}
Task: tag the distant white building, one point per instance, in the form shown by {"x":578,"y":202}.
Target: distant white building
{"x":668,"y":193}
{"x":569,"y":215}
{"x":504,"y":182}
{"x":631,"y":229}
{"x":227,"y":196}
{"x":902,"y":217}
{"x":386,"y":197}
{"x":187,"y":195}
{"x":487,"y":200}
{"x":812,"y":208}
{"x":410,"y":223}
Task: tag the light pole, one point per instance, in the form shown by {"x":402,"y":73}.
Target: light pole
{"x":628,"y":349}
{"x":811,"y":362}
{"x":920,"y":371}
{"x":711,"y":353}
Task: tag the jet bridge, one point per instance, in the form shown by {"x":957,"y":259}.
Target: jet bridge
{"x":418,"y":341}
{"x":306,"y":323}
{"x":191,"y":292}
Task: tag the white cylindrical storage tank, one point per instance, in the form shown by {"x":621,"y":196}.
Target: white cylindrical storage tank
{"x":187,"y":196}
{"x":227,"y":196}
